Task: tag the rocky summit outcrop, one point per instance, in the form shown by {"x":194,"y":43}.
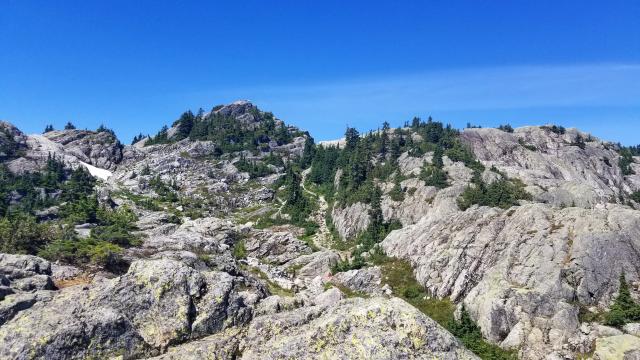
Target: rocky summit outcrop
{"x":527,"y":272}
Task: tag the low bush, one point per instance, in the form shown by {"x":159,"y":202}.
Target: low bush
{"x":502,"y":193}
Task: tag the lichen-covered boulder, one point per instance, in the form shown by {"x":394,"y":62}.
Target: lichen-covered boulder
{"x":157,"y":303}
{"x":375,"y":328}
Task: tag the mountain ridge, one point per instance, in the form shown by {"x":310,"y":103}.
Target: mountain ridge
{"x":242,"y":224}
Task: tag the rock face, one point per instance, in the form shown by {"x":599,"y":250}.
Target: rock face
{"x":156,"y":304}
{"x":523,"y":272}
{"x":100,"y":149}
{"x":367,"y":281}
{"x":557,"y":170}
{"x":24,"y":280}
{"x":351,"y":220}
{"x":353,"y":328}
{"x":618,"y":347}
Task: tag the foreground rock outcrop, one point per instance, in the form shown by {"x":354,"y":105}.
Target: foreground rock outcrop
{"x":375,"y":328}
{"x":156,"y":304}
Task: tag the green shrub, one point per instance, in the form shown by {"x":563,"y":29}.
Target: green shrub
{"x":255,"y":169}
{"x":506,"y":128}
{"x":239,"y":250}
{"x":471,"y":336}
{"x":560,"y":130}
{"x":433,"y":176}
{"x":80,"y":211}
{"x":83,"y":251}
{"x":412,"y":292}
{"x":21,"y":233}
{"x":626,"y":159}
{"x":502,"y":193}
{"x":116,"y":227}
{"x":527,"y":146}
{"x":397,"y":194}
{"x":346,"y":265}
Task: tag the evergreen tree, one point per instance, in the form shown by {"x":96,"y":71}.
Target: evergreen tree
{"x":137,"y":138}
{"x":308,"y":152}
{"x":185,"y":125}
{"x":415,"y":123}
{"x":103,"y":128}
{"x":436,"y":159}
{"x":352,"y":137}
{"x":296,"y":205}
{"x":282,"y":135}
{"x":396,"y":194}
{"x":48,"y":128}
{"x":579,"y":142}
{"x":69,"y":126}
{"x":626,"y":159}
{"x":384,"y":139}
{"x":376,"y":220}
{"x":624,"y":309}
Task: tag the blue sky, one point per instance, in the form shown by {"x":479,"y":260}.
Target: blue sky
{"x":323,"y":65}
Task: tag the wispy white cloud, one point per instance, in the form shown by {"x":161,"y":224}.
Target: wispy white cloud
{"x":485,"y":88}
{"x":324,"y":108}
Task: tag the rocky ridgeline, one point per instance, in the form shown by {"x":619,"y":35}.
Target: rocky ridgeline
{"x":215,"y":285}
{"x":524,"y":273}
{"x":187,"y":292}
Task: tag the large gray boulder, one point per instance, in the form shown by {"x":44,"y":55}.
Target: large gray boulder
{"x":100,"y":149}
{"x":275,"y":247}
{"x":157,"y":303}
{"x":374,"y":328}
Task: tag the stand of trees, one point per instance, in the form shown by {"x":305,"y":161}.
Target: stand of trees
{"x":24,"y":197}
{"x":227,"y":132}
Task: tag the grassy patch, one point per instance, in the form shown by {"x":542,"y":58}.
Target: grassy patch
{"x":239,"y":250}
{"x":345,"y":290}
{"x":399,"y":275}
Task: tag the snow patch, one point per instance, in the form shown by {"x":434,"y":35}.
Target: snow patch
{"x":97,"y":172}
